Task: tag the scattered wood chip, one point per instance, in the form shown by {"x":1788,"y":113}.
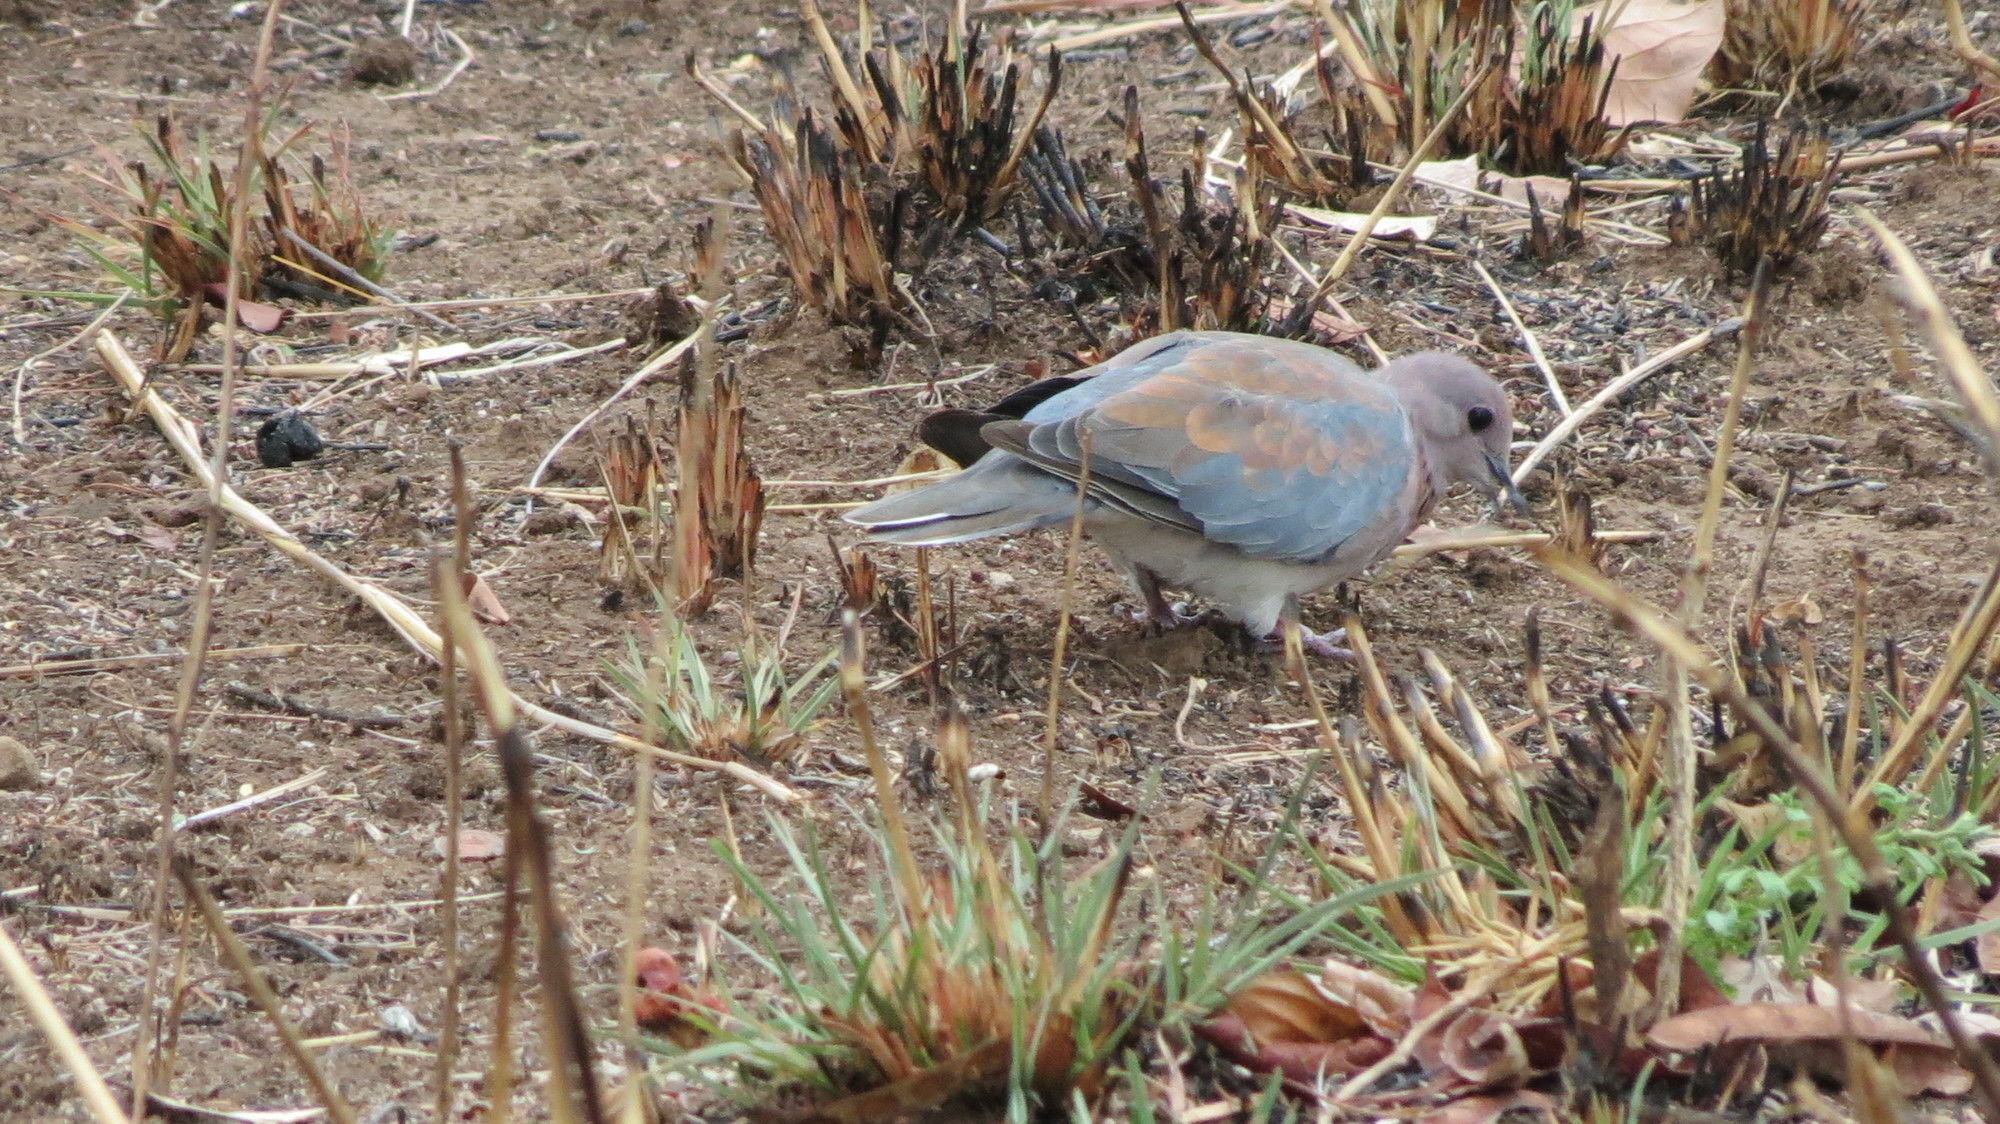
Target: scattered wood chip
{"x":485,"y":603}
{"x":474,"y":845}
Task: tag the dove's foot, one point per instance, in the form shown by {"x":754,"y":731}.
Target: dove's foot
{"x":1158,"y":614}
{"x":1164,"y":617}
{"x":1323,"y":644}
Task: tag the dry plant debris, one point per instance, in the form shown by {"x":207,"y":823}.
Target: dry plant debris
{"x":1790,"y":48}
{"x":1774,"y":204}
{"x":1455,"y":914}
{"x":171,"y":242}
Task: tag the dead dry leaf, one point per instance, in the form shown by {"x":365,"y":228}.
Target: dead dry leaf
{"x":484,"y":603}
{"x":1986,"y":947}
{"x":1800,"y":1035}
{"x":1490,"y":1050}
{"x":1662,"y":47}
{"x":254,"y":315}
{"x":1465,"y":175}
{"x":1285,"y":1022}
{"x":1308,"y":1062}
{"x":1284,"y":1006}
{"x":1390,"y":228}
{"x":1382,"y":1003}
{"x":158,"y":538}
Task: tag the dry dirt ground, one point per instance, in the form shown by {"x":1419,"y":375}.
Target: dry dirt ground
{"x":573,"y":156}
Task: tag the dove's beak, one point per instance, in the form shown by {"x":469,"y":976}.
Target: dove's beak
{"x":1503,"y":483}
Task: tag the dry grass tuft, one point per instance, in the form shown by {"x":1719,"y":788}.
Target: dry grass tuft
{"x":167,"y":240}
{"x":917,"y":151}
{"x":1174,"y":256}
{"x":1790,"y":47}
{"x":1774,"y":203}
{"x":1414,"y":58}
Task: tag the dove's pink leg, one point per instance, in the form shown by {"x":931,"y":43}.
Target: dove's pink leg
{"x":1158,"y":613}
{"x":1324,"y":644}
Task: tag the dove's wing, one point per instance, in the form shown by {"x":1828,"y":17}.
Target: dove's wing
{"x":1280,"y":449}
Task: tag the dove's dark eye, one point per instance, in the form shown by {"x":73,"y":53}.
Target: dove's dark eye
{"x":1478,"y":418}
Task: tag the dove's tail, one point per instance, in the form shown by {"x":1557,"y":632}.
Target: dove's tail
{"x":995,"y":498}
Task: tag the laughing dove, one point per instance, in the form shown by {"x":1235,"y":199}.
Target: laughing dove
{"x":1244,"y":469}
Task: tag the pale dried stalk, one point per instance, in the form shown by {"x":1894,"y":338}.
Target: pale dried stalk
{"x":27,"y":986}
{"x":407,"y":623}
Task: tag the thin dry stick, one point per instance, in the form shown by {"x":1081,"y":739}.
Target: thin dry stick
{"x":21,"y":372}
{"x":1134,"y":28}
{"x":1678,"y":776}
{"x":636,"y":881}
{"x":659,"y":362}
{"x":1052,"y":726}
{"x":1878,"y":879}
{"x":472,"y":302}
{"x":1922,"y":304}
{"x":355,"y":279}
{"x":1358,"y":804}
{"x":565,"y":1036}
{"x":454,"y":794}
{"x":1961,"y":42}
{"x":1981,"y":403}
{"x":1857,"y":667}
{"x":1528,"y":339}
{"x":1616,"y":387}
{"x":254,"y":799}
{"x":1375,"y":86}
{"x":95,"y":664}
{"x":854,"y":685}
{"x":1393,"y":192}
{"x":253,"y":981}
{"x":397,"y":613}
{"x":20,"y":976}
{"x":406,"y":360}
{"x":202,"y":619}
{"x":1472,"y":538}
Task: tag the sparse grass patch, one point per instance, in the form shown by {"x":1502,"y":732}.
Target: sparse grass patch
{"x":165,"y":236}
{"x":761,"y":719}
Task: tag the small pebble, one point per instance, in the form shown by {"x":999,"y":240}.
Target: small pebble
{"x":17,"y":766}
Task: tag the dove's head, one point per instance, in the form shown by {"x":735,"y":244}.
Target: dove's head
{"x":1463,"y":418}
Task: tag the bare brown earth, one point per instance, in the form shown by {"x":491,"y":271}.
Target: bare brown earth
{"x":574,"y":156}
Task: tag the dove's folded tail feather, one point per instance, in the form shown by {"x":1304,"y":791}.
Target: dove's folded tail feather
{"x":975,"y":504}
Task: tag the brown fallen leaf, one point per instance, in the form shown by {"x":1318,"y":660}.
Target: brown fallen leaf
{"x":1307,"y":1062}
{"x":256,"y":316}
{"x":1385,"y":1005}
{"x":1662,"y":47}
{"x":1286,"y":1023}
{"x":1283,"y":1006}
{"x":158,"y":538}
{"x":1465,"y":175}
{"x":1490,"y":1050}
{"x":1800,"y":1034}
{"x":484,"y":603}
